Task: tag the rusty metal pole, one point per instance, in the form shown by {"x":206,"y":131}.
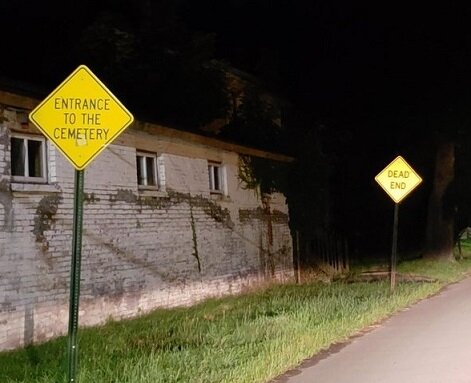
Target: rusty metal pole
{"x":394,"y":247}
{"x":298,"y":259}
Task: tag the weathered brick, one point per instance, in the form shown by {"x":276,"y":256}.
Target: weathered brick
{"x":141,"y":249}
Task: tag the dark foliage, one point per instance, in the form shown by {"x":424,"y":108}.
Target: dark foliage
{"x":366,"y":82}
{"x":140,"y":49}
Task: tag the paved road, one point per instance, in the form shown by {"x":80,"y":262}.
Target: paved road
{"x":428,"y":343}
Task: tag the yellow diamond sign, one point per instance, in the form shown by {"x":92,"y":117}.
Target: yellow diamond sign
{"x":81,"y":117}
{"x":398,"y":179}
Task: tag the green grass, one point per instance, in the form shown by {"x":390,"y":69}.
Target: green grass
{"x":250,"y":338}
{"x":444,"y":271}
{"x":466,"y":247}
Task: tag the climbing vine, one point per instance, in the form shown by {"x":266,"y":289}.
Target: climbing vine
{"x":194,"y":238}
{"x":263,"y":175}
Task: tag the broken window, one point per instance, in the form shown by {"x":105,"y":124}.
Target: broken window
{"x":146,"y":165}
{"x":28,"y":158}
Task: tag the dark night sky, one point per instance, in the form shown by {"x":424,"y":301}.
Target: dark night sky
{"x":368,"y":69}
{"x":346,"y":59}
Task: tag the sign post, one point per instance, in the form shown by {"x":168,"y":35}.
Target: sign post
{"x":81,"y":117}
{"x":72,"y":351}
{"x":394,"y":247}
{"x":397,"y":179}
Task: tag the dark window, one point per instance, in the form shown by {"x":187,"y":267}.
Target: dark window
{"x":28,"y":158}
{"x":146,"y":165}
{"x":215,"y":171}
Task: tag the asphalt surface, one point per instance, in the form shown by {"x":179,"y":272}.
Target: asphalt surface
{"x":430,"y":342}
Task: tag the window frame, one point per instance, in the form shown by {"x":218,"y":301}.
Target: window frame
{"x":26,"y":178}
{"x":144,"y":155}
{"x":218,"y":167}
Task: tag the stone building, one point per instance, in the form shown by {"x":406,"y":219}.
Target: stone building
{"x":167,"y":222}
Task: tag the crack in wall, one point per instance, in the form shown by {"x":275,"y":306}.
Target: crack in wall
{"x":194,"y":238}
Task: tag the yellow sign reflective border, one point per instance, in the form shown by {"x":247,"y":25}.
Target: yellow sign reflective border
{"x":398,"y":179}
{"x":81,"y":117}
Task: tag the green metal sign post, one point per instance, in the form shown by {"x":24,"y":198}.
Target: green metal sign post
{"x":75,"y":275}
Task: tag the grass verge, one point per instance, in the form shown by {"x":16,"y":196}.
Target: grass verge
{"x":249,"y":338}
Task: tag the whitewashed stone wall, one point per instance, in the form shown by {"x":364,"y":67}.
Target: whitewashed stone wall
{"x":141,"y":250}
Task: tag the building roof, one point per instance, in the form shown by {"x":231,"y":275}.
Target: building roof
{"x":24,"y":96}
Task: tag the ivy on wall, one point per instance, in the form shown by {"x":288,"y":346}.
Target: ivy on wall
{"x":262,"y":175}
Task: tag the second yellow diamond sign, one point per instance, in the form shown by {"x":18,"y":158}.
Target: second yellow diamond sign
{"x":81,"y":117}
{"x":398,"y":179}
